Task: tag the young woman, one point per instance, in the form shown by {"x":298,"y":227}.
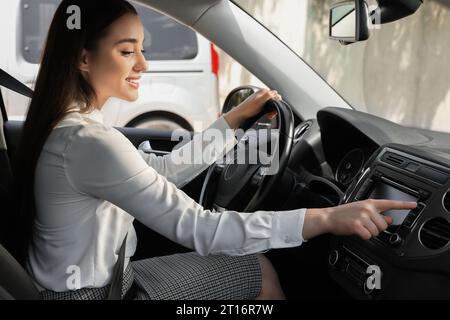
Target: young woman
{"x":80,"y":183}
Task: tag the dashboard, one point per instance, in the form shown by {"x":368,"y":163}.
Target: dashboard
{"x":413,"y":254}
{"x":340,"y":141}
{"x":369,"y":157}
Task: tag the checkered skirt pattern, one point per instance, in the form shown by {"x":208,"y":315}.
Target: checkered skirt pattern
{"x":91,"y":293}
{"x":189,"y":276}
{"x":186,"y":276}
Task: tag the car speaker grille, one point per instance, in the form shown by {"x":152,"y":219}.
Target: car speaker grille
{"x":435,"y":233}
{"x":446,"y":201}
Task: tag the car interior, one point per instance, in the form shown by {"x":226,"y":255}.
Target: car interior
{"x":329,"y":154}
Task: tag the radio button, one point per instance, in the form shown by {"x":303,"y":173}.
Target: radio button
{"x":412,"y":216}
{"x":424,"y":194}
{"x":418,"y":210}
{"x":395,"y":240}
{"x":409,"y":220}
{"x":384,"y":236}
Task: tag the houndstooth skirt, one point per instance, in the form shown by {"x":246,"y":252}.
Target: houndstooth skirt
{"x":186,"y":276}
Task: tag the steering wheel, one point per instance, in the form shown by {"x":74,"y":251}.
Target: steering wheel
{"x":232,"y":179}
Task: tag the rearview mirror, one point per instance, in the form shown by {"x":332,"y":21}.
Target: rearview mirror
{"x":348,"y":21}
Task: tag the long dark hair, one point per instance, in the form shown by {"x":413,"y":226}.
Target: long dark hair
{"x":58,"y":85}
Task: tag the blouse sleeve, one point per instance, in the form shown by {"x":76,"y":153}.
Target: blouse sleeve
{"x":189,"y":160}
{"x":100,"y":162}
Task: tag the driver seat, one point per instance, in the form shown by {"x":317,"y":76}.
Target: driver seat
{"x":15,"y":283}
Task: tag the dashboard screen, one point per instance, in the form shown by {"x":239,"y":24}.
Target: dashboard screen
{"x":385,"y":191}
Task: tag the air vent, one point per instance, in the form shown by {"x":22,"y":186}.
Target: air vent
{"x":435,"y":233}
{"x":446,"y":201}
{"x":394,"y":160}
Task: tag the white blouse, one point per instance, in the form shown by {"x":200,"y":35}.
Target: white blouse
{"x":90,"y":184}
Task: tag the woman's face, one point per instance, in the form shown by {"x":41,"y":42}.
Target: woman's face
{"x":114,"y":69}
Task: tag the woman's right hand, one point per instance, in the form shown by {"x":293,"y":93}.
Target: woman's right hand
{"x":362,"y":218}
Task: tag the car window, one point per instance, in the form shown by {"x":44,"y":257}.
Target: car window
{"x":165,"y":39}
{"x":36,"y":17}
{"x":232,"y":75}
{"x":401,"y":73}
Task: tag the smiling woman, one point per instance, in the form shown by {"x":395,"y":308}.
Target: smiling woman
{"x":118,"y":63}
{"x":100,"y":182}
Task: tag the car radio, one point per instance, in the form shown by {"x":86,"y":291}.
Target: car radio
{"x":396,"y":175}
{"x":418,"y":239}
{"x":380,"y":186}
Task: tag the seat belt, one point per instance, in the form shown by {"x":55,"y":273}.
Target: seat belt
{"x":2,"y":134}
{"x":5,"y":165}
{"x":115,"y":290}
{"x":11,"y":83}
{"x":15,"y":85}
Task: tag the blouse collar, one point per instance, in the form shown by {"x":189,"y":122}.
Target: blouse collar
{"x":95,"y":115}
{"x":75,"y":117}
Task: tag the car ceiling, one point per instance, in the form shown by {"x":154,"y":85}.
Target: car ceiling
{"x":185,"y":11}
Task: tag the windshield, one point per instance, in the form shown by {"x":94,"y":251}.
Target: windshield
{"x":402,"y":73}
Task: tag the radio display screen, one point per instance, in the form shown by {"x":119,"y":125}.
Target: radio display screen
{"x":384,"y":191}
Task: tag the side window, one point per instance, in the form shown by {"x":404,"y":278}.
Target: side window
{"x":232,"y":75}
{"x":166,"y":39}
{"x":36,"y":17}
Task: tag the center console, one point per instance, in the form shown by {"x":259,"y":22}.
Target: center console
{"x":412,"y":257}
